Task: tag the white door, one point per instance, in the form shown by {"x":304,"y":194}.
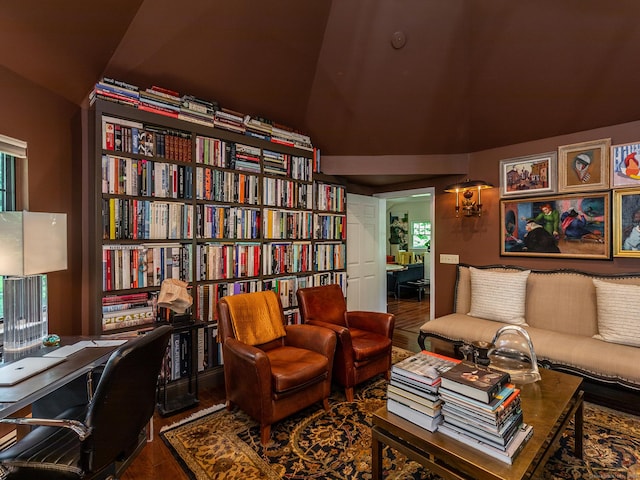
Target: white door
{"x":365,"y":255}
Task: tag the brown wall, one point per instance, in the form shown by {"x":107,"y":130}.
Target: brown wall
{"x":44,"y":120}
{"x":477,"y":240}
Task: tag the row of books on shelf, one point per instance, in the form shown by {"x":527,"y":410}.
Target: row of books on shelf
{"x":287,"y":224}
{"x":133,"y":137}
{"x":147,"y":265}
{"x":139,"y":266}
{"x":226,"y":186}
{"x":286,"y":287}
{"x":144,"y":178}
{"x":329,"y":256}
{"x":163,"y":101}
{"x":474,"y":404}
{"x":330,"y":198}
{"x":279,"y":192}
{"x":330,"y":227}
{"x":220,"y":153}
{"x":138,"y":219}
{"x":223,"y":221}
{"x":138,"y":309}
{"x":218,"y":261}
{"x":179,"y":359}
{"x":288,"y":257}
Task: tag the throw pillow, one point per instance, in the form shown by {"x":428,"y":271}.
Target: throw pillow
{"x":618,"y":320}
{"x":499,"y":296}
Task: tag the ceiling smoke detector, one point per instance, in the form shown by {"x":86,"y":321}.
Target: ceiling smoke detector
{"x":398,"y":39}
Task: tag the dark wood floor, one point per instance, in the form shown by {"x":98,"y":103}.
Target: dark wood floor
{"x":156,"y":461}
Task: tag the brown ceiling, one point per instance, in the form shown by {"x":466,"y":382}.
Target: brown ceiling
{"x":473,"y":74}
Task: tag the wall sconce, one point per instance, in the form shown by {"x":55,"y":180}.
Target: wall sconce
{"x":31,"y":244}
{"x":470,"y":208}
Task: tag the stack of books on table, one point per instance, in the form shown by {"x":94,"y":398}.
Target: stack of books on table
{"x":482,"y":409}
{"x":413,"y":389}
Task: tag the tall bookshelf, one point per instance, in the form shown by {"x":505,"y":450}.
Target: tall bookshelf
{"x":225,"y":212}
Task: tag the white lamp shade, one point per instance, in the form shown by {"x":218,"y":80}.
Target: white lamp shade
{"x":32,"y":243}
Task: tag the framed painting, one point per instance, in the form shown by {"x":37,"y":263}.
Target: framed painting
{"x":625,"y":165}
{"x":562,"y":226}
{"x":626,"y":221}
{"x":584,"y":166}
{"x":529,"y":176}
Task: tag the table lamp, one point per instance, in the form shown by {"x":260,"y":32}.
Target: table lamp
{"x":31,"y":244}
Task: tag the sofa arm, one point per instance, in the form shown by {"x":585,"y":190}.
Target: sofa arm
{"x":377,"y":322}
{"x":312,"y":337}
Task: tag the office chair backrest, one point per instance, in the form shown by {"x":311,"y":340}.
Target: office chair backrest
{"x":125,"y":399}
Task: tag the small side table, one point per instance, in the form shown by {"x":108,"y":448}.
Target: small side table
{"x":419,"y":286}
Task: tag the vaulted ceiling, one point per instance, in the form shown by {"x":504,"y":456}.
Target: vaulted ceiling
{"x":362,"y":77}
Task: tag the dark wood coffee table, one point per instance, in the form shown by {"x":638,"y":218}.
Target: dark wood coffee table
{"x":548,"y":405}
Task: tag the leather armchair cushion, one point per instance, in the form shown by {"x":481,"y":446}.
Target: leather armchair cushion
{"x":367,"y":345}
{"x":293,"y":367}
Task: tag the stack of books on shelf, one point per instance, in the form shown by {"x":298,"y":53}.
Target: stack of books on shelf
{"x":161,"y":101}
{"x":116,"y":91}
{"x":164,"y":101}
{"x":482,"y":409}
{"x":413,"y":388}
{"x":196,"y":110}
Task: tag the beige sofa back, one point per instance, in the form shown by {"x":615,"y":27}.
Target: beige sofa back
{"x":557,"y":300}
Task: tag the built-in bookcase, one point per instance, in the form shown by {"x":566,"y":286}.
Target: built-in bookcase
{"x":224,"y":212}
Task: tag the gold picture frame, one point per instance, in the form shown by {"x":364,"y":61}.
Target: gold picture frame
{"x":626,"y":221}
{"x":584,"y":167}
{"x":559,"y":226}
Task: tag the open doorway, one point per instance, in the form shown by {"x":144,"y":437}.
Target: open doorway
{"x":409,"y":263}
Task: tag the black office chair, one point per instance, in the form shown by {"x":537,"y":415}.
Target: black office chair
{"x":95,"y":437}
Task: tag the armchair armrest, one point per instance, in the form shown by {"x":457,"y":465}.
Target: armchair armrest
{"x":344,"y":337}
{"x":78,"y":427}
{"x":312,"y":337}
{"x":251,"y":361}
{"x":377,"y":322}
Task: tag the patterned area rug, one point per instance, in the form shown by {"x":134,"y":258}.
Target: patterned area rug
{"x":315,"y":444}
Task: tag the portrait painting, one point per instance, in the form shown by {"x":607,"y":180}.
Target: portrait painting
{"x":625,"y":165}
{"x":626,"y":218}
{"x":563,"y":226}
{"x":399,"y":231}
{"x":529,"y":176}
{"x":584,"y":166}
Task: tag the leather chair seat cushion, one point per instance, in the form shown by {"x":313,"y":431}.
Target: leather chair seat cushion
{"x":47,"y":448}
{"x":367,"y":345}
{"x":293,"y":367}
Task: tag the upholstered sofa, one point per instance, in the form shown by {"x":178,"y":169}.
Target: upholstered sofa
{"x":579,"y":323}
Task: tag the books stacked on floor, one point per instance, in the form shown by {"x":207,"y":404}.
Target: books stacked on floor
{"x":482,"y":409}
{"x":413,"y":388}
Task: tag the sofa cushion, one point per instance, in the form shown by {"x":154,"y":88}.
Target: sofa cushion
{"x":610,"y":361}
{"x":498,"y":296}
{"x":618,"y":320}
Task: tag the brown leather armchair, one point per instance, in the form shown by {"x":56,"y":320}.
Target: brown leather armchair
{"x":364,"y":338}
{"x":271,"y":370}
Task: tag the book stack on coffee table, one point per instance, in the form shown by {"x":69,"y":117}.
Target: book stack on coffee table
{"x":413,"y":389}
{"x":481,"y":408}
